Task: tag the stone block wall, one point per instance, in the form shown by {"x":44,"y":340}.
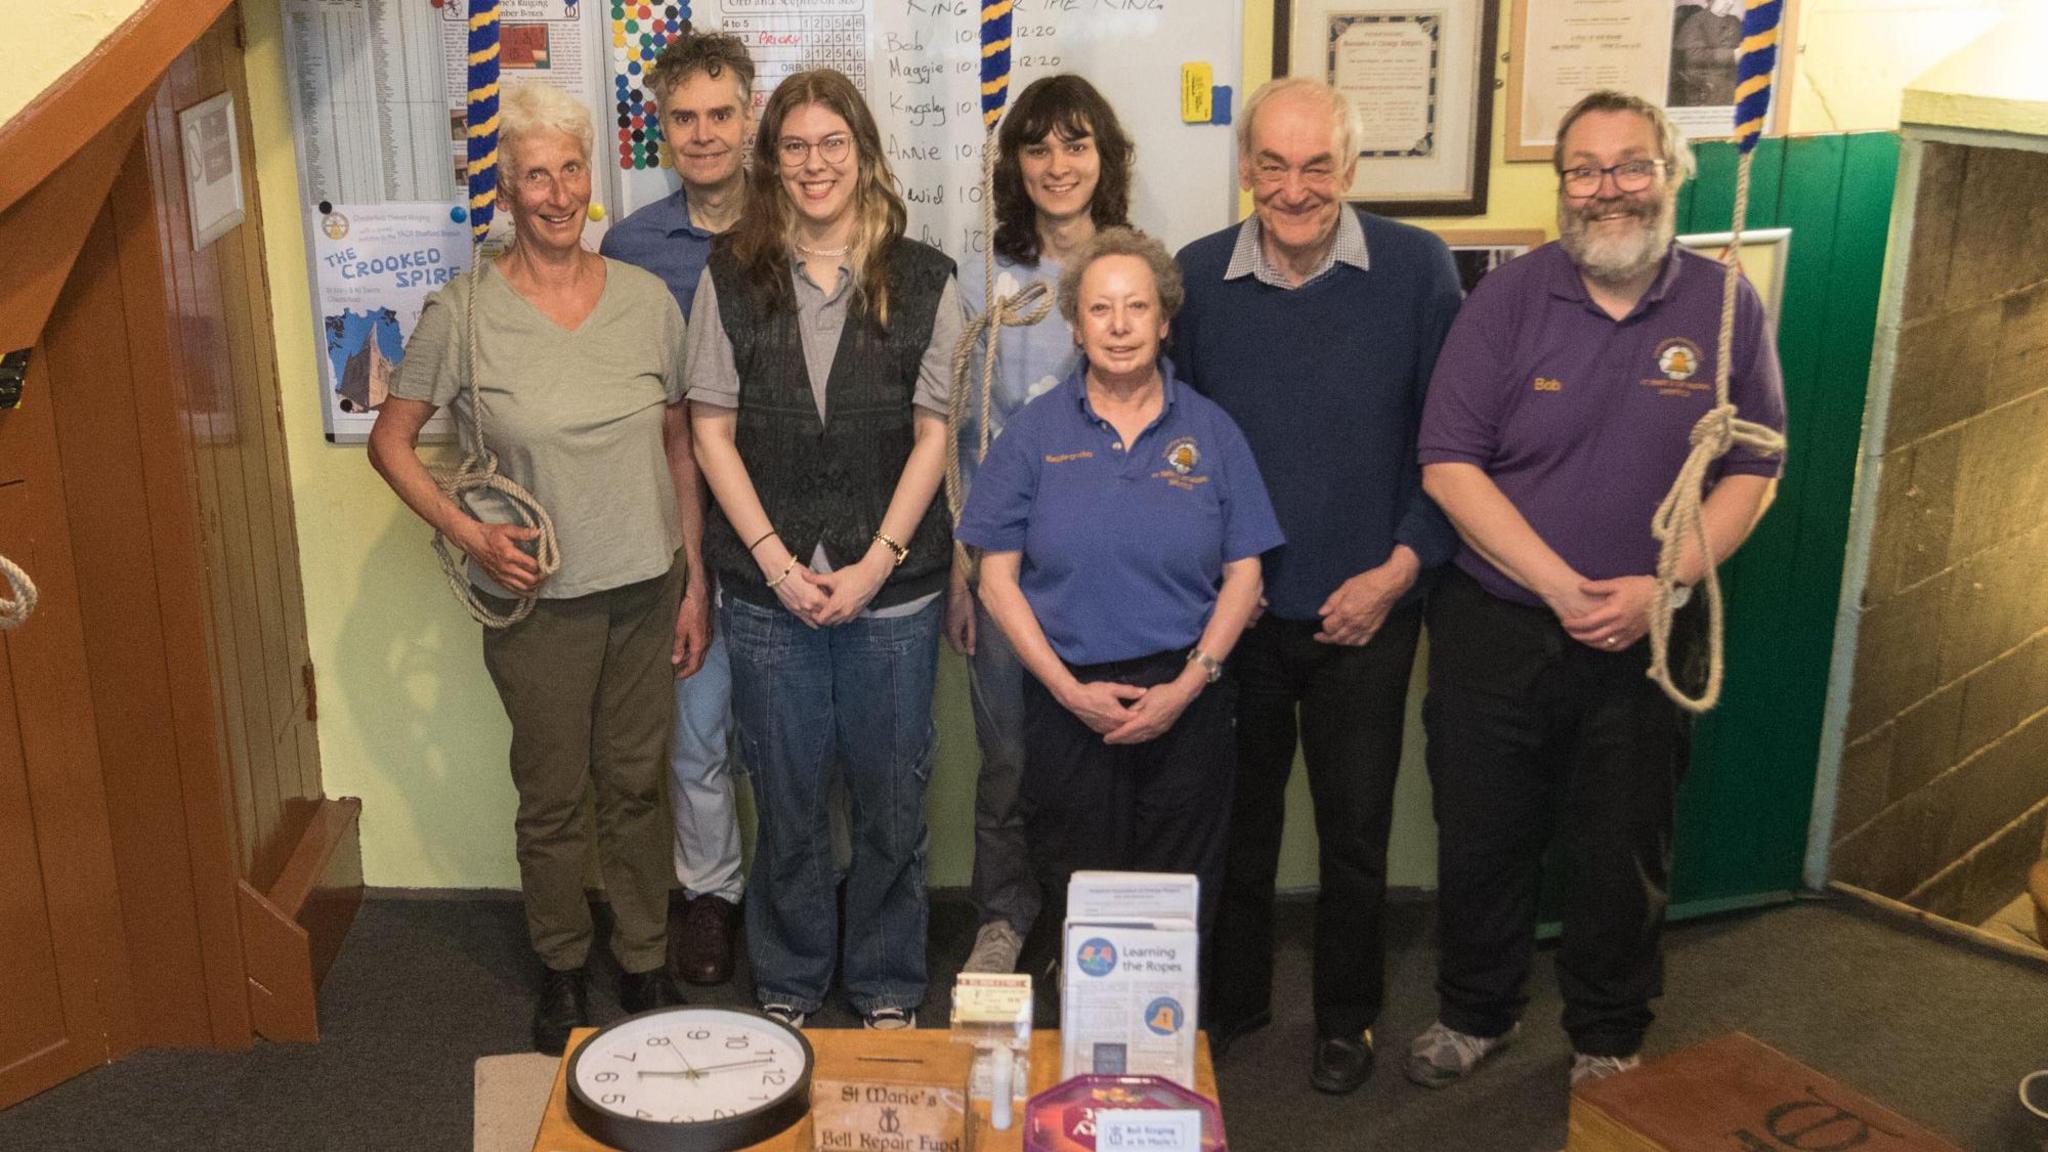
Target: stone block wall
{"x":1943,"y":792}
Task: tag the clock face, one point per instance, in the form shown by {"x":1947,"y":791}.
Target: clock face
{"x":690,"y":1080}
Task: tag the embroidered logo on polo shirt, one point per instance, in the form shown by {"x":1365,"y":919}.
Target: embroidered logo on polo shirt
{"x":1066,"y":457}
{"x":1678,"y":358}
{"x":1183,"y":455}
{"x":1547,"y":384}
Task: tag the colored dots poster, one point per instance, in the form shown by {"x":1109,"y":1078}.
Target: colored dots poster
{"x":639,"y":31}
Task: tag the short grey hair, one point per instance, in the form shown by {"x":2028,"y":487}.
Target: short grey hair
{"x":1122,"y":242}
{"x":1349,"y":128}
{"x":525,"y":107}
{"x":1670,"y":138}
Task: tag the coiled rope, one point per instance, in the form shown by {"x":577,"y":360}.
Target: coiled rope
{"x":478,"y":471}
{"x":16,"y":611}
{"x":1678,"y":518}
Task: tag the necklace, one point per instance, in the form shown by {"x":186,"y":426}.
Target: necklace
{"x":825,"y":253}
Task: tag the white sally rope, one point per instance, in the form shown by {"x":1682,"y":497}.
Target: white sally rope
{"x":15,"y":612}
{"x":479,"y":471}
{"x":1678,"y":518}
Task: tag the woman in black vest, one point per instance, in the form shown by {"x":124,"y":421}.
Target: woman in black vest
{"x":820,"y":350}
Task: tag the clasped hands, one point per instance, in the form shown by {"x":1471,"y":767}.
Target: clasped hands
{"x":825,"y":599}
{"x":1607,"y":615}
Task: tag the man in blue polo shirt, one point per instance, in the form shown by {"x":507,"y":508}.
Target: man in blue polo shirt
{"x":703,"y":88}
{"x":1316,"y":328}
{"x":1559,"y":417}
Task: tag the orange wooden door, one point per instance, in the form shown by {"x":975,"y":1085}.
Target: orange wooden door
{"x":59,"y":920}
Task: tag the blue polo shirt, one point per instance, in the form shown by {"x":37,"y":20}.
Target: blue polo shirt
{"x":660,"y":238}
{"x":1124,"y":546}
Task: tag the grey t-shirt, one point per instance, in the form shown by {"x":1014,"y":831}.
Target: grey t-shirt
{"x":574,"y":416}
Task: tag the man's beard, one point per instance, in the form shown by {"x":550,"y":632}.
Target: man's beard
{"x":1618,"y":258}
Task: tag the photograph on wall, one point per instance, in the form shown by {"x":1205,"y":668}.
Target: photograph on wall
{"x":1479,"y":251}
{"x":1421,"y":78}
{"x":375,"y":266}
{"x":1762,"y":256}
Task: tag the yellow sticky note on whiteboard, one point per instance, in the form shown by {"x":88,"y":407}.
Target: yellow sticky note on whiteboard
{"x":1197,"y":85}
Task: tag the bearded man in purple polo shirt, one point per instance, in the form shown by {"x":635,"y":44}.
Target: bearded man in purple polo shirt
{"x":1557,"y":419}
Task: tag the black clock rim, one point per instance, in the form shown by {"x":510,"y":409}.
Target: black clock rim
{"x":632,"y":1134}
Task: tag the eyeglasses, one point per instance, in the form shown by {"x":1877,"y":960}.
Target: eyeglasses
{"x":1629,"y":176}
{"x":795,"y":152}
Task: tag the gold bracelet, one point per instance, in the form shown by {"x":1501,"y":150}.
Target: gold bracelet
{"x":786,"y":570}
{"x":897,"y":550}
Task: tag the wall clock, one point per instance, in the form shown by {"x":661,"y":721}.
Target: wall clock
{"x":690,"y":1079}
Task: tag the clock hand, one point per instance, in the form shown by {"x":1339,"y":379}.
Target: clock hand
{"x":672,"y":1046}
{"x":735,"y":1064}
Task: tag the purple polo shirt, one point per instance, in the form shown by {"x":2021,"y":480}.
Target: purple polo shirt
{"x":1583,"y":421}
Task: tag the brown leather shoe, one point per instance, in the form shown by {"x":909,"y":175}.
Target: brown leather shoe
{"x":700,"y":941}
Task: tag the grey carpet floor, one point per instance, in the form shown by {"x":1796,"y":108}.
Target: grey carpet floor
{"x":1937,"y":1031}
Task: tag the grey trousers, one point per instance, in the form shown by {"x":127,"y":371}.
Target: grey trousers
{"x":590,"y":693}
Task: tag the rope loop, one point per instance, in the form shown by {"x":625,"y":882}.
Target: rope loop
{"x":478,"y":472}
{"x":15,"y":612}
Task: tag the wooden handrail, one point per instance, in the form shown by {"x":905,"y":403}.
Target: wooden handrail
{"x":73,"y":110}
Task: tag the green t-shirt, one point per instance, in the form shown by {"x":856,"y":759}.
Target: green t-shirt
{"x":574,"y":417}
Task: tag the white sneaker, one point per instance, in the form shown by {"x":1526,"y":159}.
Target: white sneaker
{"x":890,"y":1019}
{"x":786,"y":1013}
{"x":996,"y":947}
{"x":1444,"y":1055}
{"x":1587,"y":1069}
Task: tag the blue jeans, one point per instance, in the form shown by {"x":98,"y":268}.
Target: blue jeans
{"x":707,"y":847}
{"x":858,"y":696}
{"x":1005,"y":887}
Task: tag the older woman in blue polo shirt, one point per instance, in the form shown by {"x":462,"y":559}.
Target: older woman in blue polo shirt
{"x":1122,"y":520}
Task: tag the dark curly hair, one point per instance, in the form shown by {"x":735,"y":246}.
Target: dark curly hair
{"x":1070,"y":106}
{"x":693,"y":53}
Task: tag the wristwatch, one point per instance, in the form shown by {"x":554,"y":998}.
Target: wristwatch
{"x":1209,"y":665}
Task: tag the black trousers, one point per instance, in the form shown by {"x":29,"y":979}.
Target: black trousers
{"x":1534,"y":737}
{"x":1160,"y":806}
{"x":1346,"y":705}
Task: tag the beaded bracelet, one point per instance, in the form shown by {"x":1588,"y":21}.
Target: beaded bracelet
{"x":786,"y":570}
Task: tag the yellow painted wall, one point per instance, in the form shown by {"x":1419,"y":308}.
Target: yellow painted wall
{"x":1857,"y":56}
{"x":408,"y":719}
{"x":44,"y":38}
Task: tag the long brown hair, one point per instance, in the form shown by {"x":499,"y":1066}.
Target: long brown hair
{"x":1070,"y":107}
{"x":762,"y":238}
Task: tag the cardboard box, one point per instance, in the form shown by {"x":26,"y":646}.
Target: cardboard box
{"x":1735,"y":1094}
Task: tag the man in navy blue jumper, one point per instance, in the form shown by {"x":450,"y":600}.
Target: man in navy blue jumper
{"x":1316,"y":328}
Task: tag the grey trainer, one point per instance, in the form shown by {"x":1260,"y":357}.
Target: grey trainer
{"x":996,"y":947}
{"x":1443,"y":1055}
{"x":1586,"y":1069}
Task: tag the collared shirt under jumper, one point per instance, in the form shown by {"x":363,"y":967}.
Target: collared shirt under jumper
{"x":1326,"y":379}
{"x":661,"y":238}
{"x":1123,"y":547}
{"x":574,"y":415}
{"x":1583,"y":420}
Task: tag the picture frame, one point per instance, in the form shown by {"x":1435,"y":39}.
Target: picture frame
{"x":1678,"y":54}
{"x":1478,"y":251}
{"x":1763,"y":256}
{"x":1422,"y":75}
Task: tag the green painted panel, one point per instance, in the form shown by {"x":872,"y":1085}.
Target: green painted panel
{"x":1744,"y":810}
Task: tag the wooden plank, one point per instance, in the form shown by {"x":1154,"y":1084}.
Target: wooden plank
{"x":170,"y":492}
{"x":42,"y":231}
{"x":93,"y":371}
{"x":282,"y":999}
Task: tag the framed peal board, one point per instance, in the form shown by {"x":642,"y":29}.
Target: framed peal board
{"x":1421,"y":76}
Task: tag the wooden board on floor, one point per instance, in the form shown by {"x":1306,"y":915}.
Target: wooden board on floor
{"x":558,"y":1133}
{"x":1735,"y":1094}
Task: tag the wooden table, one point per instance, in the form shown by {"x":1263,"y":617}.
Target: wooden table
{"x":559,"y":1134}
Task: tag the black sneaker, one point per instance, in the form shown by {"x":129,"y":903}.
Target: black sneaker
{"x":642,"y":991}
{"x":564,"y":1004}
{"x":1341,"y":1063}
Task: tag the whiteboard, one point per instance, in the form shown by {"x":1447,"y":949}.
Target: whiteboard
{"x":918,"y":63}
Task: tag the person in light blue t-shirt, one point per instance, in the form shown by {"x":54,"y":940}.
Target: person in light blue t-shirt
{"x":1063,"y":170}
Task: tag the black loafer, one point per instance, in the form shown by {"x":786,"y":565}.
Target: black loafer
{"x":564,"y":1004}
{"x":1224,"y":1033}
{"x":643,"y":991}
{"x":1342,"y":1063}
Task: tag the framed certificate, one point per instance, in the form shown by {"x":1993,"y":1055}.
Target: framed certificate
{"x":1677,"y":54}
{"x":1421,"y":76}
{"x":1479,"y":251}
{"x":1762,"y":256}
